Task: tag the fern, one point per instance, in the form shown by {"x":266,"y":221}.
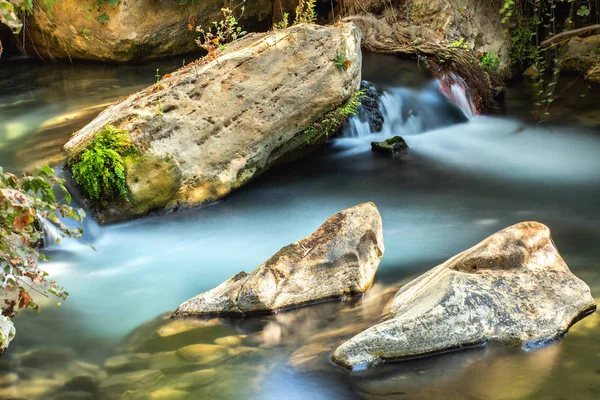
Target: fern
{"x":100,"y":168}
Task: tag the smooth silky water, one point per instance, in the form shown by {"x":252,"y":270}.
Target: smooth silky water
{"x":461,"y":181}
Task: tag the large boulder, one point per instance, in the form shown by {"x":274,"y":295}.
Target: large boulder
{"x":130,"y":31}
{"x":212,"y":126}
{"x":513,"y":287}
{"x":340,"y":258}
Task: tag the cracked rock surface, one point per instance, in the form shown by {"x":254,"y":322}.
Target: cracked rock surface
{"x":340,"y":258}
{"x":513,"y":288}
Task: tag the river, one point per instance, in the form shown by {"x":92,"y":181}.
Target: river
{"x":461,"y":180}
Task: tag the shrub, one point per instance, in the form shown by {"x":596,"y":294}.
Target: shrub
{"x":490,"y":61}
{"x":305,"y":12}
{"x":24,"y":202}
{"x":100,"y":168}
{"x":221,"y":32}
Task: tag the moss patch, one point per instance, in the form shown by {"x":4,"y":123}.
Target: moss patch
{"x":333,"y":120}
{"x":99,"y":169}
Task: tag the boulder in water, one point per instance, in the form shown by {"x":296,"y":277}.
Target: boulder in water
{"x":513,"y":287}
{"x":213,"y":126}
{"x":340,"y":258}
{"x":389,"y":146}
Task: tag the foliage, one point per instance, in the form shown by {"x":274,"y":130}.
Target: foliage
{"x":490,"y":61}
{"x":221,"y":32}
{"x":8,"y":16}
{"x":351,"y":107}
{"x":24,"y":202}
{"x":305,"y":12}
{"x":333,"y":120}
{"x":583,"y":11}
{"x":341,"y":61}
{"x":459,"y":44}
{"x":9,"y":12}
{"x":283,"y":23}
{"x":523,"y":50}
{"x":99,"y":4}
{"x":100,"y":167}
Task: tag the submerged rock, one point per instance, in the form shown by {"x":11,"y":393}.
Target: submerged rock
{"x":389,"y":146}
{"x":513,"y":288}
{"x":116,"y":385}
{"x":340,"y":258}
{"x":211,"y":127}
{"x":7,"y":333}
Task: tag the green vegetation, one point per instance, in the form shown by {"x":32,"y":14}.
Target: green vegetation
{"x":333,"y":120}
{"x":24,"y":202}
{"x":100,"y":168}
{"x":341,"y":61}
{"x":523,"y":51}
{"x":283,"y":23}
{"x":305,"y":12}
{"x":459,"y":44}
{"x":221,"y":32}
{"x":490,"y":61}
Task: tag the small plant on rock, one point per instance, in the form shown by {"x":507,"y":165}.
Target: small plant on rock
{"x":100,"y":168}
{"x":24,"y":203}
{"x":341,"y":61}
{"x":221,"y":32}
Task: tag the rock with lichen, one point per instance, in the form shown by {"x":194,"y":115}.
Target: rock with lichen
{"x":512,"y":288}
{"x":216,"y":124}
{"x":338,"y":259}
{"x":389,"y":146}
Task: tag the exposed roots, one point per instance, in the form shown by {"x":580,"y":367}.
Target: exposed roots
{"x":430,"y":48}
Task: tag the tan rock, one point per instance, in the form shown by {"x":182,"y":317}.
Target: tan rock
{"x":203,"y":354}
{"x":134,"y":31}
{"x":221,"y":124}
{"x":593,"y":74}
{"x":116,"y":385}
{"x":168,"y":394}
{"x":166,"y":360}
{"x":127,"y":362}
{"x":195,"y":380}
{"x":512,"y":288}
{"x":230,"y":341}
{"x":340,"y":258}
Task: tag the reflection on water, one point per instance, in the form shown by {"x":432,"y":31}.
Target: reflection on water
{"x":457,"y":184}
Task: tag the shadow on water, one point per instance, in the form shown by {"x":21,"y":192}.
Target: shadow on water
{"x":459,"y":182}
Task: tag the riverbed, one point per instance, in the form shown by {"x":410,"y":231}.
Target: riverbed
{"x":463,"y":178}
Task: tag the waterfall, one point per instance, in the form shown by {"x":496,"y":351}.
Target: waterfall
{"x":51,"y":234}
{"x":456,"y":90}
{"x":412,"y":111}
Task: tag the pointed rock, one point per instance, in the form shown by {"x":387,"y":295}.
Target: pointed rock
{"x":340,"y":258}
{"x":513,"y":287}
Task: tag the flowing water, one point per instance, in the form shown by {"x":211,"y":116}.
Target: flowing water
{"x":463,"y":178}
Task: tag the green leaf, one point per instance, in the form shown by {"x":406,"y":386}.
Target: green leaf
{"x":102,"y":18}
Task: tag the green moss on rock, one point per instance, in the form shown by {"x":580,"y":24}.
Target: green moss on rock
{"x":389,"y":146}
